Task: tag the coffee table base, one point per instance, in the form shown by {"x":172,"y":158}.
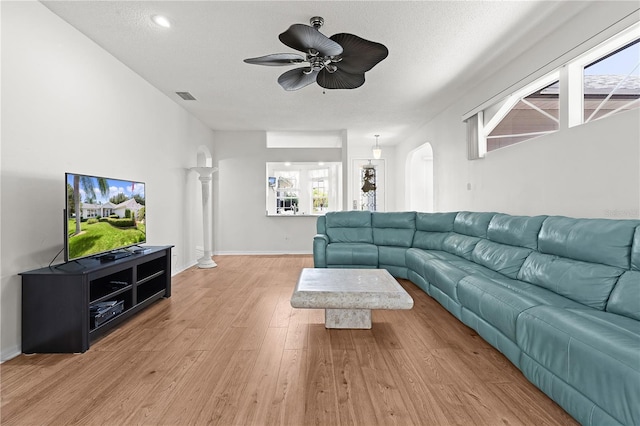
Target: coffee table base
{"x":347,"y":318}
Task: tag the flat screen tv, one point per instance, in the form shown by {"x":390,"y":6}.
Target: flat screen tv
{"x":102,"y":215}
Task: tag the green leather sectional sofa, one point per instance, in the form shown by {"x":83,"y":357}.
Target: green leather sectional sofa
{"x":558,"y":296}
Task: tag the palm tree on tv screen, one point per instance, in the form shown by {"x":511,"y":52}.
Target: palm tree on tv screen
{"x":87,"y":186}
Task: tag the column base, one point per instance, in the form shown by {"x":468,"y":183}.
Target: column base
{"x":347,"y":318}
{"x":206,"y":263}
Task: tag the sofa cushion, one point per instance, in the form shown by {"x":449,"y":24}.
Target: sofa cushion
{"x":494,"y":303}
{"x":395,"y":256}
{"x":429,"y":240}
{"x":472,"y":223}
{"x":472,"y":268}
{"x":393,"y":229}
{"x":604,"y":241}
{"x":500,"y":257}
{"x":499,"y":301}
{"x":435,"y":222}
{"x":349,"y":227}
{"x":625,"y":297}
{"x":519,"y":231}
{"x":460,"y":245}
{"x":593,"y":351}
{"x":586,"y":283}
{"x":445,"y":274}
{"x":356,"y":254}
{"x":415,"y":258}
{"x":540,"y":295}
{"x":432,"y":229}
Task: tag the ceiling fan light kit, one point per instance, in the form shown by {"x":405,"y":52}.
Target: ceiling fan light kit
{"x":336,"y":62}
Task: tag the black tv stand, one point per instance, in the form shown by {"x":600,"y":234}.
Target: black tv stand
{"x":56,"y":302}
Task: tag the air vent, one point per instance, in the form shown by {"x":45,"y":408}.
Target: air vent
{"x":186,"y":96}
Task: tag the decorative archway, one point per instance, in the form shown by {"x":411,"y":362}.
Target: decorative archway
{"x":204,"y":157}
{"x":419,"y":179}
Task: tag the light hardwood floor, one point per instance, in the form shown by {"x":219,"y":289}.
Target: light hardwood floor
{"x":228,"y":349}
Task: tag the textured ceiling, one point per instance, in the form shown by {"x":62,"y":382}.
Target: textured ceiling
{"x":435,"y":47}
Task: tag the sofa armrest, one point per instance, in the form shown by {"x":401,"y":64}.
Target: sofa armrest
{"x":320,"y":242}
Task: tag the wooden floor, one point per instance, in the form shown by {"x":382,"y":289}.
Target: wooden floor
{"x":228,"y":349}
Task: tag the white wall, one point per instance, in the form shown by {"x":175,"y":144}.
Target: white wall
{"x":239,"y":208}
{"x":239,"y":214}
{"x":67,"y":105}
{"x":592,"y":170}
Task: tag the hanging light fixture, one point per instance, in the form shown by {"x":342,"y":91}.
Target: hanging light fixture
{"x":377,"y":151}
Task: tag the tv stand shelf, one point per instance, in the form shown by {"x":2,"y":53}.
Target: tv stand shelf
{"x":56,"y":301}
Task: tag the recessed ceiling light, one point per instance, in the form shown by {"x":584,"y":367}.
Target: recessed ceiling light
{"x":161,"y":20}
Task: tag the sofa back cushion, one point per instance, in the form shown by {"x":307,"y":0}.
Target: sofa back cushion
{"x":625,"y":297}
{"x":635,"y":251}
{"x":472,"y":223}
{"x":500,"y":257}
{"x":460,"y":245}
{"x":349,"y":227}
{"x":393,"y":229}
{"x":432,"y":229}
{"x":586,"y":283}
{"x":519,"y":231}
{"x":435,"y":222}
{"x":603,"y":241}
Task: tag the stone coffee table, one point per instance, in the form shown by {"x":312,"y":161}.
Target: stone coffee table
{"x":349,"y":295}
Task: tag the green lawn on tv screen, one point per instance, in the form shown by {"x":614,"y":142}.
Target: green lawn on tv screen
{"x":100,"y":237}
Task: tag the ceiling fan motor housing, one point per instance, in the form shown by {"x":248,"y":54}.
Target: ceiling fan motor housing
{"x":316,"y":22}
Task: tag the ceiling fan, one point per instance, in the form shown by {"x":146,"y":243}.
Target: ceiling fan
{"x":336,"y":62}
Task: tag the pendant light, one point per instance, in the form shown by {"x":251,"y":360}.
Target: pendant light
{"x":377,"y":151}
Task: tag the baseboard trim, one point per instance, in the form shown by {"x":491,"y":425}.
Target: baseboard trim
{"x":12,"y":352}
{"x":260,"y":253}
{"x":184,"y":268}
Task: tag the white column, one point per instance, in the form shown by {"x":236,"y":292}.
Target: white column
{"x":206,"y":176}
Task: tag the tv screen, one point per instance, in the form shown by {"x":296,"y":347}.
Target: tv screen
{"x":102,"y":215}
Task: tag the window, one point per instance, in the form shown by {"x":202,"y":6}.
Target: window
{"x":319,"y":190}
{"x":303,"y":188}
{"x":531,"y":112}
{"x":287,"y":192}
{"x":611,"y":84}
{"x":597,"y":84}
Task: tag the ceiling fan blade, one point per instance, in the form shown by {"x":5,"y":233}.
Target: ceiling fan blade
{"x":339,"y":79}
{"x":358,"y":55}
{"x":277,"y":59}
{"x":303,"y":37}
{"x":297,"y":79}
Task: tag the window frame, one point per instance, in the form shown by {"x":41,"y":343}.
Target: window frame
{"x":569,"y":73}
{"x":302,"y":174}
{"x":575,"y":70}
{"x":509,"y":103}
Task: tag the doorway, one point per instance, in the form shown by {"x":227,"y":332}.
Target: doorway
{"x":419,"y":179}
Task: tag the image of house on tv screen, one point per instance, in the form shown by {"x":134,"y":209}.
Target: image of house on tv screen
{"x":103,"y":215}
